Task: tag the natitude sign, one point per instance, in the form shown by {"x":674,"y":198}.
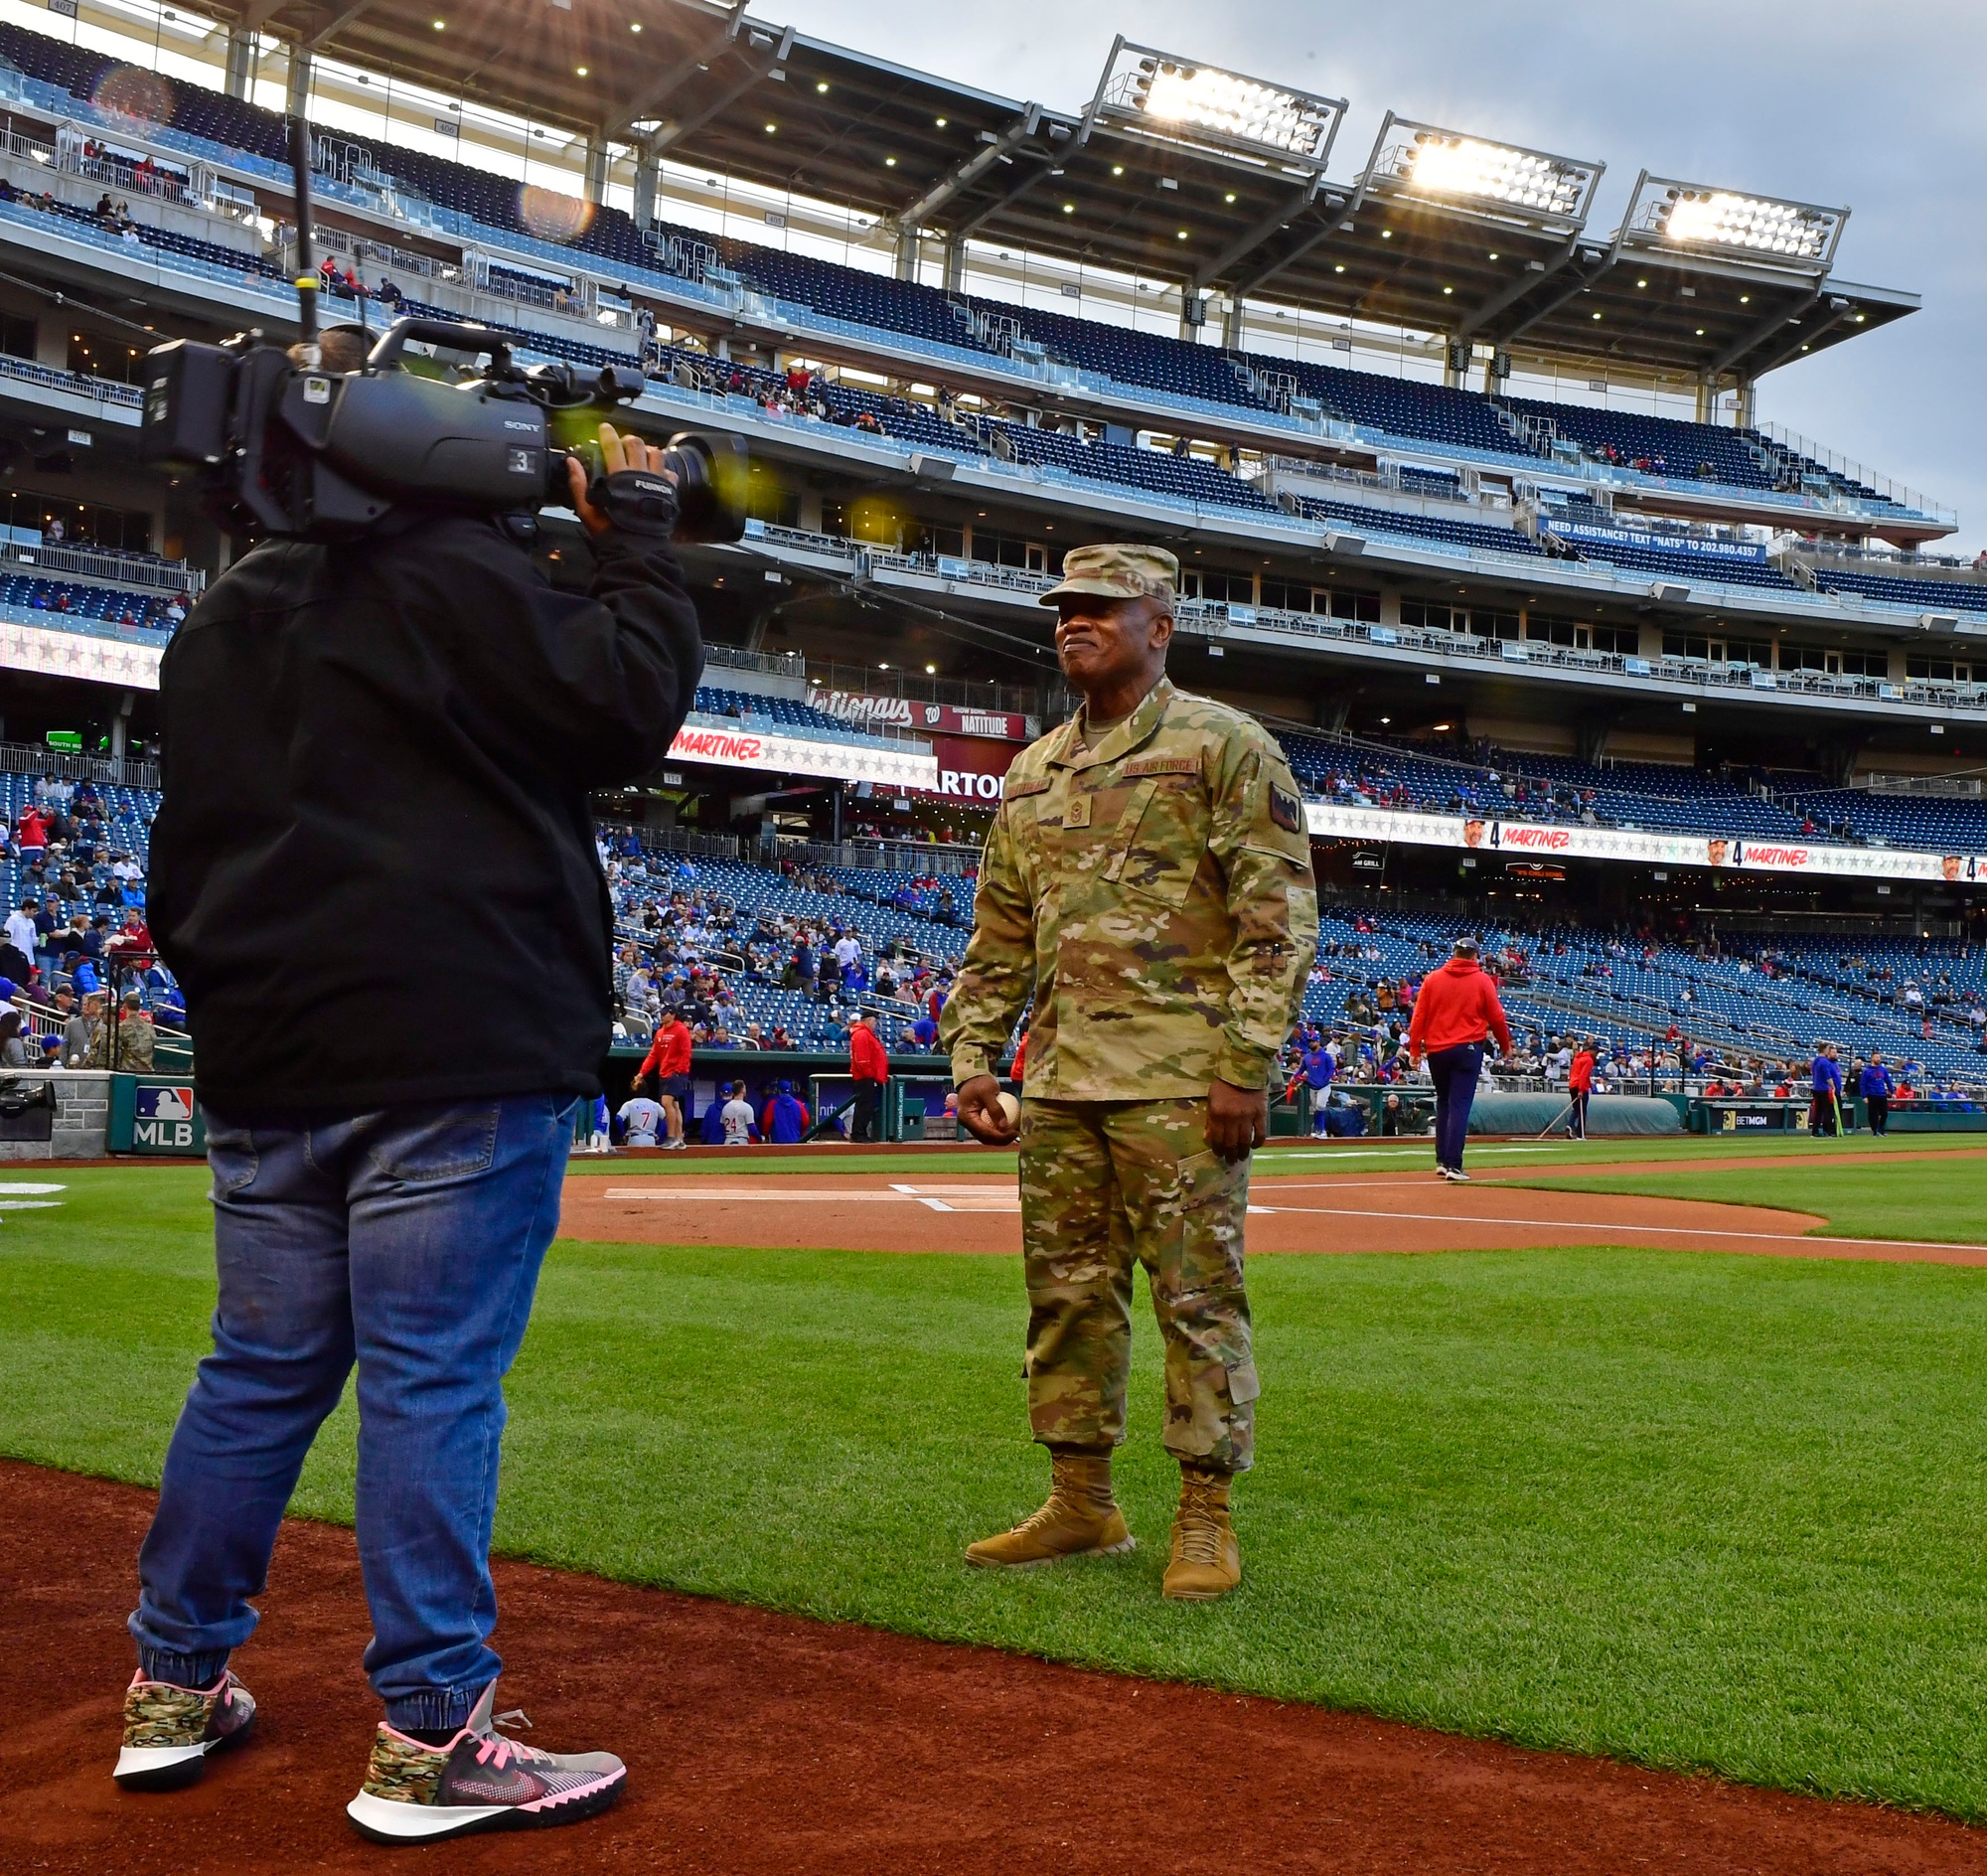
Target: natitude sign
{"x":858,"y":708}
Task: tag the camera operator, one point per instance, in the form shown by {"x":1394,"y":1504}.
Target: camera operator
{"x":375,"y":873}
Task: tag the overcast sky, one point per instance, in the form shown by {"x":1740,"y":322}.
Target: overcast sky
{"x":1879,"y":108}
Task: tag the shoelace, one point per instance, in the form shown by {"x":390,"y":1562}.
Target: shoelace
{"x":1200,"y":1535}
{"x":495,"y":1750}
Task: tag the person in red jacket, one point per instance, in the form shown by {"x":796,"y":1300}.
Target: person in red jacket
{"x":1578,"y":1085}
{"x":869,"y":1068}
{"x":1456,"y":1010}
{"x":668,"y":1061}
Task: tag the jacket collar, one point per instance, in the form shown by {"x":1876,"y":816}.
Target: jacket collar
{"x":1119,"y":742}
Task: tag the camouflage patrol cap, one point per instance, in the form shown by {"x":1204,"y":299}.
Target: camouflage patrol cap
{"x":1116,"y":571}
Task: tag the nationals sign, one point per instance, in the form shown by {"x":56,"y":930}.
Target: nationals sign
{"x":902,"y":712}
{"x":1734,"y":852}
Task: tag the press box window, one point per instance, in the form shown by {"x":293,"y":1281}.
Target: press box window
{"x":1937,"y":669}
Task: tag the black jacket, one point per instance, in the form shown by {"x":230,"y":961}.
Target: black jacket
{"x":373,"y":868}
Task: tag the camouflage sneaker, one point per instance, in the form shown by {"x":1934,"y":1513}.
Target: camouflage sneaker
{"x":478,"y":1781}
{"x":169,"y":1731}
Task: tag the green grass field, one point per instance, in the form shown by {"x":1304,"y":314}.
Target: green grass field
{"x":1694,"y":1510}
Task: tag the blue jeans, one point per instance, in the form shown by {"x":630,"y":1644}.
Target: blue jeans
{"x":1453,"y":1072}
{"x":408,"y":1242}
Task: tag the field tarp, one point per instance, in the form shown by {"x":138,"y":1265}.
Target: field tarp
{"x":1606,"y":1114}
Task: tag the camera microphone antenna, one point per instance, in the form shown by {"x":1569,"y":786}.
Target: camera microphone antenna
{"x":307,"y":281}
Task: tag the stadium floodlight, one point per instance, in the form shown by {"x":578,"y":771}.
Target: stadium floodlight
{"x":1449,"y":166}
{"x":1185,"y":101}
{"x":1693,"y":217}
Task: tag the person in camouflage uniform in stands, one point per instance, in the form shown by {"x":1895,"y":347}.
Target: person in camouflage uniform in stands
{"x":1148,"y":881}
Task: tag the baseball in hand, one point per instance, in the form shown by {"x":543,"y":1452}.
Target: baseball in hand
{"x":1012,"y":1108}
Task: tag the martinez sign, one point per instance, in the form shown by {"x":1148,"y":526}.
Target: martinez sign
{"x":1733,"y":852}
{"x":701,"y":740}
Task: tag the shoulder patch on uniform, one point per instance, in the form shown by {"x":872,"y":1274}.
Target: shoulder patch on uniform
{"x":1285,"y":810}
{"x":1163,"y":765}
{"x":1040,"y":784}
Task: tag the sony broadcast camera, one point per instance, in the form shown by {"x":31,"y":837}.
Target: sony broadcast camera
{"x":288,"y":451}
{"x":318,"y":455}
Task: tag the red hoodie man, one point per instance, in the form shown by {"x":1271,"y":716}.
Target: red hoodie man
{"x":1456,"y":1010}
{"x":668,"y":1061}
{"x":1579,"y":1086}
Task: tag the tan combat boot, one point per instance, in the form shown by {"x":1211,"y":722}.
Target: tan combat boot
{"x":1080,"y":1519}
{"x":1207,"y":1560}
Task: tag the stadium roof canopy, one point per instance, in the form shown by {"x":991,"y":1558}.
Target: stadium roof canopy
{"x":1174,"y":171}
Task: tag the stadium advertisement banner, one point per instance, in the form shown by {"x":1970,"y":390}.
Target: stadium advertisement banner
{"x":973,"y":769}
{"x":78,"y":655}
{"x":1661,"y":544}
{"x":938,"y":719}
{"x":735,"y":748}
{"x":1740,"y":853}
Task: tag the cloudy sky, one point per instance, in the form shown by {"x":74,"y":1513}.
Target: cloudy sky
{"x":1876,"y":106}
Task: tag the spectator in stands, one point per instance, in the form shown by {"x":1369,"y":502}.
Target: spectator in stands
{"x":138,"y":1037}
{"x":869,"y":1068}
{"x":23,"y":936}
{"x":13,"y":1049}
{"x":79,"y":1036}
{"x":668,"y":1061}
{"x":1456,"y":1011}
{"x":1874,"y":1086}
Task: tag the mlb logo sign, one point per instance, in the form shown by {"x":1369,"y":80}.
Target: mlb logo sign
{"x":164,"y":1120}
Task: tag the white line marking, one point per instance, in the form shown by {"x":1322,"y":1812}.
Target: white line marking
{"x":24,"y":1185}
{"x":1638,"y":1230}
{"x":913,"y":1193}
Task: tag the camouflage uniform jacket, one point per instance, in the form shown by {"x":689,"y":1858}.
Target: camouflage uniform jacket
{"x":1154,"y":893}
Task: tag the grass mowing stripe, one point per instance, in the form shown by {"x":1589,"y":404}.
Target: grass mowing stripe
{"x":1705,"y":1511}
{"x":1928,"y":1200}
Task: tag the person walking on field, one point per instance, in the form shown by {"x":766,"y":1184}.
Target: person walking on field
{"x":1148,"y":881}
{"x":1579,"y":1086}
{"x":1456,"y":1012}
{"x":1875,"y":1087}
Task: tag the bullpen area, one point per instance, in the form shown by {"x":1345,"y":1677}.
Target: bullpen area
{"x":1633,"y":1521}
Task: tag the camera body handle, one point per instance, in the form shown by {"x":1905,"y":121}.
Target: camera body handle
{"x":444,"y":332}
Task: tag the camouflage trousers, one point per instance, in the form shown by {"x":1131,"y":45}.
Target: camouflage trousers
{"x":1106,"y":1184}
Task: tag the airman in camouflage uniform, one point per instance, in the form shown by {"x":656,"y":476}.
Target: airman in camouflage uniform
{"x":1147,"y":881}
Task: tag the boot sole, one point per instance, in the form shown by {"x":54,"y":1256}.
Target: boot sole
{"x":1067,"y":1556}
{"x":1200,"y":1595}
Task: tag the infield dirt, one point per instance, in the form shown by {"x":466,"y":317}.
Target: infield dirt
{"x":762,"y":1743}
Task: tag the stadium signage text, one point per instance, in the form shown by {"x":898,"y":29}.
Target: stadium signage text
{"x":797,"y":755}
{"x":1659,"y":544}
{"x":858,"y":707}
{"x":1347,"y":821}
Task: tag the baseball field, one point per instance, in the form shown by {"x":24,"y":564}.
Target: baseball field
{"x":1626,"y":1508}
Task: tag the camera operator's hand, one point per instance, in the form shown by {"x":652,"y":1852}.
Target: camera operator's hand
{"x":617,"y":452}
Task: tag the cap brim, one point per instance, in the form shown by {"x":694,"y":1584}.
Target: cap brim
{"x":1094,"y":588}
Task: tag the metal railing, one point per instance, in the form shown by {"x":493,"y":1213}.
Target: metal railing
{"x":99,"y":389}
{"x":127,"y":569}
{"x":27,"y":758}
